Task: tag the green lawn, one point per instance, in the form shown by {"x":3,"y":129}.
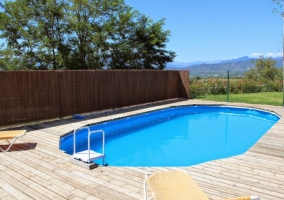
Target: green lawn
{"x":219,"y":79}
{"x":268,"y":98}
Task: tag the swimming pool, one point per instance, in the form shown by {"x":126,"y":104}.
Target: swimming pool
{"x":176,"y":136}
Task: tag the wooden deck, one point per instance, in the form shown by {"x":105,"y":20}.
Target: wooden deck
{"x":36,"y":169}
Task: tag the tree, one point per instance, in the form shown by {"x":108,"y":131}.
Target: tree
{"x":34,"y":31}
{"x":141,"y":46}
{"x":264,"y":70}
{"x":91,"y":23}
{"x":151,"y":42}
{"x":14,"y":30}
{"x":80,"y":34}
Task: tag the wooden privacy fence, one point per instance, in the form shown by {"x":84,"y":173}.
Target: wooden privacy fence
{"x":28,"y":96}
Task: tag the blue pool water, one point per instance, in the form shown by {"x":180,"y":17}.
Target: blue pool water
{"x":177,"y":136}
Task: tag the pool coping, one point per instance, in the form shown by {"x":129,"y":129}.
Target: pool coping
{"x":86,"y":165}
{"x":176,"y":106}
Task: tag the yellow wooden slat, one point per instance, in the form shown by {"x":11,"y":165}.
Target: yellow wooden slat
{"x":11,"y":134}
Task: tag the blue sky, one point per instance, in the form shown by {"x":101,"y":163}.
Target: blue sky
{"x":210,"y":30}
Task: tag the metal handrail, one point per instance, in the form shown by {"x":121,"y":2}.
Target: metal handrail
{"x":103,"y":142}
{"x":74,"y":137}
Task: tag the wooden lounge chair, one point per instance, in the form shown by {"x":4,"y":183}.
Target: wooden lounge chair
{"x":177,"y":185}
{"x":7,"y":135}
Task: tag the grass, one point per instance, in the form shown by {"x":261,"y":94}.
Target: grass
{"x":219,"y":79}
{"x":267,"y":98}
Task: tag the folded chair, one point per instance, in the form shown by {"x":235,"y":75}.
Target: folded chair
{"x":6,"y":135}
{"x":177,"y":185}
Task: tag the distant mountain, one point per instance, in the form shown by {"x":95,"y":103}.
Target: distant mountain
{"x":237,"y":67}
{"x":181,"y":64}
{"x":244,"y":58}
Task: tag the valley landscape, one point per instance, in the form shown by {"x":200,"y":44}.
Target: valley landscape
{"x":237,"y":67}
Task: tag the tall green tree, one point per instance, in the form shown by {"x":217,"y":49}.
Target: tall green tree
{"x":264,"y":70}
{"x":143,"y":47}
{"x":15,"y":29}
{"x":35,"y":33}
{"x":151,"y":41}
{"x":80,"y":34}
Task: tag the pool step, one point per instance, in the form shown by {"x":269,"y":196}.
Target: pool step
{"x":85,"y":157}
{"x":88,"y":156}
{"x":83,"y":164}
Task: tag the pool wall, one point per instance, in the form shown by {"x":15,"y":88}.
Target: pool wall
{"x":116,"y":126}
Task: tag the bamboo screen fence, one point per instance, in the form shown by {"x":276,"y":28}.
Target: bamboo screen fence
{"x":29,"y":96}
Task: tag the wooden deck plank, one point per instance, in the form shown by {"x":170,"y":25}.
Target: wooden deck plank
{"x":37,"y":169}
{"x":106,"y":184}
{"x":65,"y":179}
{"x":21,"y":185}
{"x":25,"y":178}
{"x":11,"y":190}
{"x":3,"y":194}
{"x":39,"y":185}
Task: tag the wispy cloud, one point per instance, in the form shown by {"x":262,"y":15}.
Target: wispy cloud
{"x":267,"y":55}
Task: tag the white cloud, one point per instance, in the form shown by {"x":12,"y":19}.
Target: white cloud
{"x":267,"y":55}
{"x":256,"y":55}
{"x":273,"y":54}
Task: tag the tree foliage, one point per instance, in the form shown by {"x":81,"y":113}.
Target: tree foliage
{"x":80,"y":34}
{"x":279,"y":7}
{"x":264,"y":70}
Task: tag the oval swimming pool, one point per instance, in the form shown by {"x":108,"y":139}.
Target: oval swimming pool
{"x":176,"y":136}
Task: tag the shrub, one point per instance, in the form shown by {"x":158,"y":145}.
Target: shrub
{"x":216,"y":87}
{"x":249,"y":86}
{"x":273,"y":86}
{"x":236,"y":87}
{"x":196,"y":89}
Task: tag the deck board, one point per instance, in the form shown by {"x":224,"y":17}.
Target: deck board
{"x":36,"y":169}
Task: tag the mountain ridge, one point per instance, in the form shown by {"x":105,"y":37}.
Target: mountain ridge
{"x":237,"y":67}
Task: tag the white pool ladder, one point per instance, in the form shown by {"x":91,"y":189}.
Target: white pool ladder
{"x":89,"y":155}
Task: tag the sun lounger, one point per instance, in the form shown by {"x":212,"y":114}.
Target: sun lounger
{"x":177,"y":185}
{"x":7,"y":135}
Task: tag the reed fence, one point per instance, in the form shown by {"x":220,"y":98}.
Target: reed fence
{"x":29,"y":96}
